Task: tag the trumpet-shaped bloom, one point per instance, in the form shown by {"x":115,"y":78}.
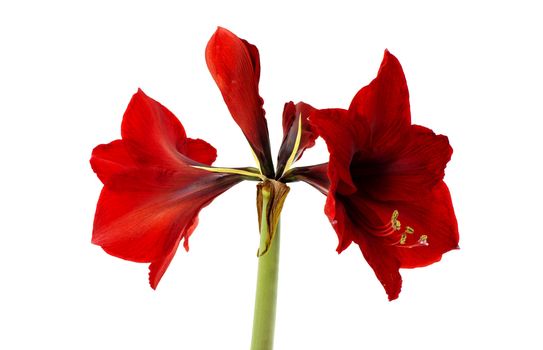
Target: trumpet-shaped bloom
{"x":152,"y":192}
{"x":386,"y":190}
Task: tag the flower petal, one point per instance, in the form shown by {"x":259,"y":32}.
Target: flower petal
{"x":291,"y":123}
{"x":143,"y":215}
{"x":408,"y":174}
{"x":158,"y":268}
{"x":426,"y":230}
{"x":383,"y":106}
{"x":200,"y":151}
{"x":432,"y":217}
{"x":314,"y":175}
{"x":110,"y":159}
{"x":151,"y":133}
{"x":335,"y":127}
{"x":152,"y":193}
{"x":235,"y":67}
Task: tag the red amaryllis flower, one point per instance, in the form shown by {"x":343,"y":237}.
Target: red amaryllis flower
{"x":153,"y":189}
{"x":386,"y":189}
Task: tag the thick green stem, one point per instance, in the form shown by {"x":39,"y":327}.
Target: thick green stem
{"x":266,"y":287}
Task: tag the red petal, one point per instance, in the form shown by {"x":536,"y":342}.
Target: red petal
{"x":235,"y":66}
{"x":383,"y":107}
{"x":200,"y":151}
{"x":152,"y":195}
{"x":110,"y":159}
{"x":408,"y":174}
{"x":334,"y":126}
{"x":384,"y":264}
{"x":315,"y":175}
{"x":145,"y":218}
{"x":291,"y":112}
{"x":348,"y":218}
{"x":434,"y":216}
{"x":151,"y":133}
{"x":158,"y":268}
{"x":362,"y":221}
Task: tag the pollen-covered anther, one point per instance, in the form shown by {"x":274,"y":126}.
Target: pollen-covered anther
{"x":396,"y":225}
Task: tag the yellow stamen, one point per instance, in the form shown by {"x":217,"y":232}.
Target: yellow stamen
{"x":396,"y":225}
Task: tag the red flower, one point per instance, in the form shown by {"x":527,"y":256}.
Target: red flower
{"x":152,"y":192}
{"x":386,"y":189}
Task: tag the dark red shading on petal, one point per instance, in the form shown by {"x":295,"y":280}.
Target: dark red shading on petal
{"x":408,"y":174}
{"x":291,"y":113}
{"x":152,"y":195}
{"x":335,"y":127}
{"x":386,"y":189}
{"x":314,"y":175}
{"x":432,"y":217}
{"x":235,"y":67}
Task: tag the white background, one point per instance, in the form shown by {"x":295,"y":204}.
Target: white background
{"x":67,"y":72}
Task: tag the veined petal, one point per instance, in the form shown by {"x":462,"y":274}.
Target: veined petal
{"x":314,"y":175}
{"x":383,"y":107}
{"x":408,"y":174}
{"x":200,"y":151}
{"x":143,"y":216}
{"x":152,"y":134}
{"x":334,"y":126}
{"x":354,"y":221}
{"x":235,"y":67}
{"x":152,"y":190}
{"x":432,"y":217}
{"x":298,"y":134}
{"x":394,"y":235}
{"x":110,"y":159}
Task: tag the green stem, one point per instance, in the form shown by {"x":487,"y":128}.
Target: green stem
{"x":266,"y":286}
